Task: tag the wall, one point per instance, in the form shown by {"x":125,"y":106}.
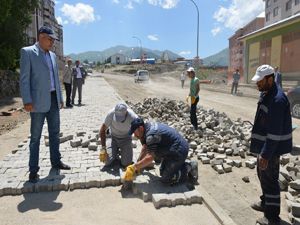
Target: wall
{"x":9,"y":83}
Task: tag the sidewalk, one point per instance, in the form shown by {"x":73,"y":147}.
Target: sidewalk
{"x":55,"y":199}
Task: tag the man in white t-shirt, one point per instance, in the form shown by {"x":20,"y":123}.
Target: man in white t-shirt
{"x":118,"y":120}
{"x":182,"y":79}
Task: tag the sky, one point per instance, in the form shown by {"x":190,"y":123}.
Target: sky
{"x":95,"y":25}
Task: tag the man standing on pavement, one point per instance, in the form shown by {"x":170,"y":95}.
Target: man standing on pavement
{"x":164,"y":143}
{"x":79,"y":75}
{"x":118,"y":120}
{"x":182,"y":79}
{"x":235,"y":81}
{"x":271,"y":137}
{"x":67,"y":79}
{"x":278,"y":77}
{"x":41,"y":95}
{"x":194,"y":95}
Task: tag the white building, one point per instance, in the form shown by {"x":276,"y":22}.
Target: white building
{"x":119,"y":59}
{"x":277,"y":10}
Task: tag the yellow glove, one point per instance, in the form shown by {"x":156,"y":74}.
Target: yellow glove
{"x":193,"y":99}
{"x":103,"y":155}
{"x":187,"y":99}
{"x":129,"y":173}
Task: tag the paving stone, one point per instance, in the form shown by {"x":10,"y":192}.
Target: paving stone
{"x":161,"y":200}
{"x":93,"y":147}
{"x":284,"y":160}
{"x":221,"y":157}
{"x":229,"y":162}
{"x":295,"y":184}
{"x":85,"y":143}
{"x":296,"y":221}
{"x":250,"y":164}
{"x":215,"y":162}
{"x":75,"y":143}
{"x":228,"y":151}
{"x":77,"y":183}
{"x":219,"y":169}
{"x":292,"y":191}
{"x":227,"y":168}
{"x":288,"y":205}
{"x":66,"y":138}
{"x":177,"y":199}
{"x":210,"y":155}
{"x":246,"y":179}
{"x":205,"y":160}
{"x":237,"y":163}
{"x":193,"y":197}
{"x":242,"y":153}
{"x":296,"y":209}
{"x":80,"y":133}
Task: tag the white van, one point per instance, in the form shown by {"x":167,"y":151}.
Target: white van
{"x":141,"y":75}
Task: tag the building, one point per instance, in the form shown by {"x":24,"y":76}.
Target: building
{"x":277,"y":10}
{"x":236,"y":47}
{"x":118,"y":59}
{"x":44,"y":14}
{"x":278,"y":43}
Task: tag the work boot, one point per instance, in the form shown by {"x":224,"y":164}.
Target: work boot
{"x":193,"y":171}
{"x":258,"y":206}
{"x":265,"y":221}
{"x":33,"y":177}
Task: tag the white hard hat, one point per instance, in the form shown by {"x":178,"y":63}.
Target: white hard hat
{"x":262,"y":71}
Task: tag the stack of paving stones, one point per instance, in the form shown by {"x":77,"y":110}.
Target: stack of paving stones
{"x":219,"y":142}
{"x":289,"y":180}
{"x":79,"y":147}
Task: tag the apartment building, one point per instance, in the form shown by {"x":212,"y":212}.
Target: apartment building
{"x":277,"y":10}
{"x":44,"y":14}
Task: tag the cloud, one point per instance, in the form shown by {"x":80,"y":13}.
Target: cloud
{"x":185,"y":52}
{"x":215,"y":31}
{"x":116,"y":1}
{"x":79,"y":13}
{"x":238,"y":13}
{"x":61,"y":21}
{"x":153,"y":37}
{"x":165,"y":4}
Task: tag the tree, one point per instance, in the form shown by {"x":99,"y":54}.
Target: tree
{"x":15,"y":18}
{"x":86,"y":61}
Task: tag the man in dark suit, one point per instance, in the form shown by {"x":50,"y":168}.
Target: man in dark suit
{"x":278,"y":77}
{"x":41,"y":94}
{"x":79,"y":75}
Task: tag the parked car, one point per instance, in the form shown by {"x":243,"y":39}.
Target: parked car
{"x":294,"y":97}
{"x":141,"y":75}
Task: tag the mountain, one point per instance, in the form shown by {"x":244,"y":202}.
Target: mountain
{"x":219,"y":59}
{"x":130,"y":52}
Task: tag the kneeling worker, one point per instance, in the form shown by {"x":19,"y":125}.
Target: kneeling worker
{"x":165,"y":143}
{"x":119,"y":121}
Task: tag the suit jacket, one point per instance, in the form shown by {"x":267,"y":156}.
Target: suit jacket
{"x":82,"y":70}
{"x":35,"y":81}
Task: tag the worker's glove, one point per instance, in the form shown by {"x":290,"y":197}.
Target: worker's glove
{"x":187,"y":99}
{"x":193,"y":99}
{"x":130,"y":173}
{"x":103,"y":155}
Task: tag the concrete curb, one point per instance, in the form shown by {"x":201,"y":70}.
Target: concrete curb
{"x":215,"y":208}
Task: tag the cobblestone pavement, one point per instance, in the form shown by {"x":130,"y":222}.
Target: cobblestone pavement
{"x":80,"y":149}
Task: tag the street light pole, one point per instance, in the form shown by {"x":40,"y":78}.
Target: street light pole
{"x":197,"y":28}
{"x":140,"y":46}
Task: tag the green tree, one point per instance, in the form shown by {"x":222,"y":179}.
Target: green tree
{"x":15,"y":18}
{"x":86,"y":61}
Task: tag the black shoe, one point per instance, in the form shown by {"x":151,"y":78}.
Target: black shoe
{"x":62,"y":166}
{"x":69,"y":106}
{"x":258,"y":206}
{"x":79,"y":104}
{"x":33,"y":177}
{"x":72,"y":102}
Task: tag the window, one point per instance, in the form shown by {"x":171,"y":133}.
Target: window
{"x":297,"y":2}
{"x":268,"y":3}
{"x":275,"y":11}
{"x":288,"y":5}
{"x":268,"y":15}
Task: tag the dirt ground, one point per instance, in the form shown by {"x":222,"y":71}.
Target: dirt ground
{"x":232,"y":194}
{"x":11,"y":114}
